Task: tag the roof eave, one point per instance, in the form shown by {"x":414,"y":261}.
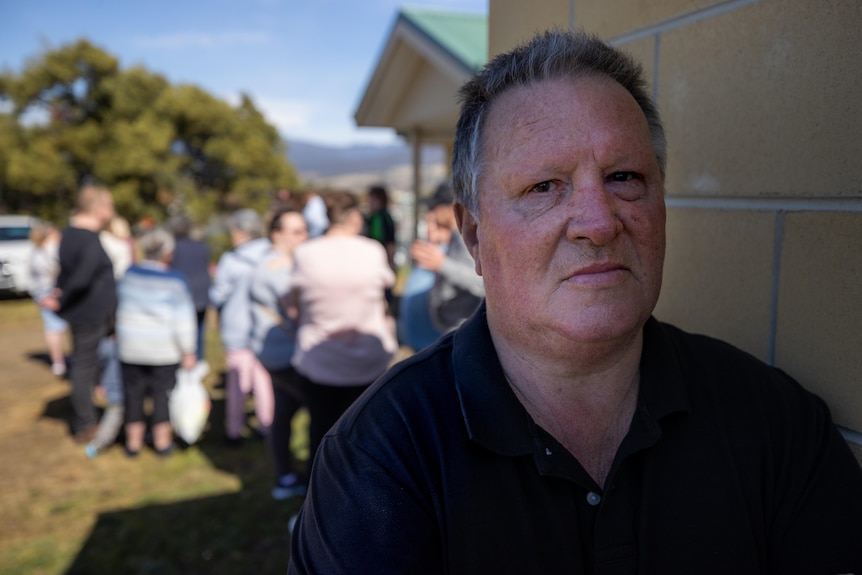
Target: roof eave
{"x":406,"y":31}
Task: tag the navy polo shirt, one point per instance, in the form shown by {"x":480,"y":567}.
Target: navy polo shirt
{"x":729,"y":466}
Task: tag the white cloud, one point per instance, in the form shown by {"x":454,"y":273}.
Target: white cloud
{"x":313,"y":121}
{"x":204,"y":40}
{"x":286,"y":115}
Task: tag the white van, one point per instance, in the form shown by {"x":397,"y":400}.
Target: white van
{"x":15,"y":248}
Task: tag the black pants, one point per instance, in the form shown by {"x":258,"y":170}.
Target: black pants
{"x":288,"y":395}
{"x":325,"y":405}
{"x":142,"y":380}
{"x":202,"y":320}
{"x":85,"y":371}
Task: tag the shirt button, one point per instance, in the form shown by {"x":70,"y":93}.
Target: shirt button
{"x":593,"y":498}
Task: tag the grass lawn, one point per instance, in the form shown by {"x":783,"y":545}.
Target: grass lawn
{"x":205,"y":509}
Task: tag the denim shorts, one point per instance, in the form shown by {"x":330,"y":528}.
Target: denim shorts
{"x":52,"y":321}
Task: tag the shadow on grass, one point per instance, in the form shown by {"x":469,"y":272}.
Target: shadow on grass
{"x":242,"y":532}
{"x":6,"y":295}
{"x":223,"y":534}
{"x":39,"y":357}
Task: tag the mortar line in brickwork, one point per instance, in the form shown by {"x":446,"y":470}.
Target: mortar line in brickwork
{"x":768,"y":204}
{"x":778,"y":244}
{"x":682,"y":20}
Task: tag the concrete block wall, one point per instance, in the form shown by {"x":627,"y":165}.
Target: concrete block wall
{"x":761,"y":101}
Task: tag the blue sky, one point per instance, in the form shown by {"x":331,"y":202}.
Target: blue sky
{"x":305,"y":63}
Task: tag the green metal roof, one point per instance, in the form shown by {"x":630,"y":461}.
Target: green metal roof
{"x":463,"y":35}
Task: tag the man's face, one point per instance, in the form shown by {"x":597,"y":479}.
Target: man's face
{"x":292,"y":233}
{"x":570,"y":234}
{"x":374,"y":203}
{"x":444,"y":216}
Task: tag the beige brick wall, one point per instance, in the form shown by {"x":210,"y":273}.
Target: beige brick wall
{"x":512,"y":22}
{"x":761,"y":102}
{"x":775,"y":85}
{"x":819,"y":320}
{"x":723,"y":292}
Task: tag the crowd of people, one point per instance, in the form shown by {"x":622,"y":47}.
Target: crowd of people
{"x":304,"y":300}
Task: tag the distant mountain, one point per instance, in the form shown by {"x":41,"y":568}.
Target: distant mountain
{"x":315,"y":161}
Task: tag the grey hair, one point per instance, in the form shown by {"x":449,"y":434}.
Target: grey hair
{"x":156,"y":244}
{"x":550,"y":55}
{"x":246,"y":220}
{"x":180,"y":225}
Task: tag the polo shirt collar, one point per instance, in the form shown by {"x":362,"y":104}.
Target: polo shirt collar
{"x":496,"y":419}
{"x":493,"y":415}
{"x":663,"y":387}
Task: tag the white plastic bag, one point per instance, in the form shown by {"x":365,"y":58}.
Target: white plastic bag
{"x":189,"y":403}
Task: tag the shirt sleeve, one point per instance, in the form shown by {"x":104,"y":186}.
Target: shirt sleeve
{"x":185,"y":322}
{"x":362,"y":517}
{"x":222,"y":286}
{"x":817,"y":504}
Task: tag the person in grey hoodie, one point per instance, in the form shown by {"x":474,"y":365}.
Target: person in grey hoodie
{"x":458,"y":289}
{"x":229,"y":294}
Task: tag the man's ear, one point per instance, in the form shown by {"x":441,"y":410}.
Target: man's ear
{"x":468,"y":225}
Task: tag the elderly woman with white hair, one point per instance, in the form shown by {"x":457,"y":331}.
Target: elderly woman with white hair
{"x":156,"y":333}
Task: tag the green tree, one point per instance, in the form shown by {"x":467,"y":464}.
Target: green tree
{"x":73,"y":114}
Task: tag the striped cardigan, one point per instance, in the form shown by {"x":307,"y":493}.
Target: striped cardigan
{"x":156,"y":321}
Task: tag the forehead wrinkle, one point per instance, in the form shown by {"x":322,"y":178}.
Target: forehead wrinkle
{"x":526,"y":134}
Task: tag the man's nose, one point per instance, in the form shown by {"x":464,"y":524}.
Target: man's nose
{"x":592,"y":213}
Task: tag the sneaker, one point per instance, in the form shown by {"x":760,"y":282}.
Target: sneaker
{"x":166,"y":452}
{"x":58,"y":369}
{"x":289,"y":486}
{"x":234,"y":442}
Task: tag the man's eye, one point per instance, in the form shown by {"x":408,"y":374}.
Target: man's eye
{"x":622,"y":176}
{"x":543,"y":187}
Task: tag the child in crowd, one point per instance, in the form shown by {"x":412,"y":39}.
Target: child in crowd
{"x":111,"y":385}
{"x":44,"y":267}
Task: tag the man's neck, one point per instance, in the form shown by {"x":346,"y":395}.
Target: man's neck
{"x":87,"y":222}
{"x":342,"y":230}
{"x":585,"y":397}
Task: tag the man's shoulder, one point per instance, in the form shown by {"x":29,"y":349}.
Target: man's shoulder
{"x":701,"y":350}
{"x":191,"y":247}
{"x":719,"y":372}
{"x":78,"y":245}
{"x":73,"y":234}
{"x":416,"y":391}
